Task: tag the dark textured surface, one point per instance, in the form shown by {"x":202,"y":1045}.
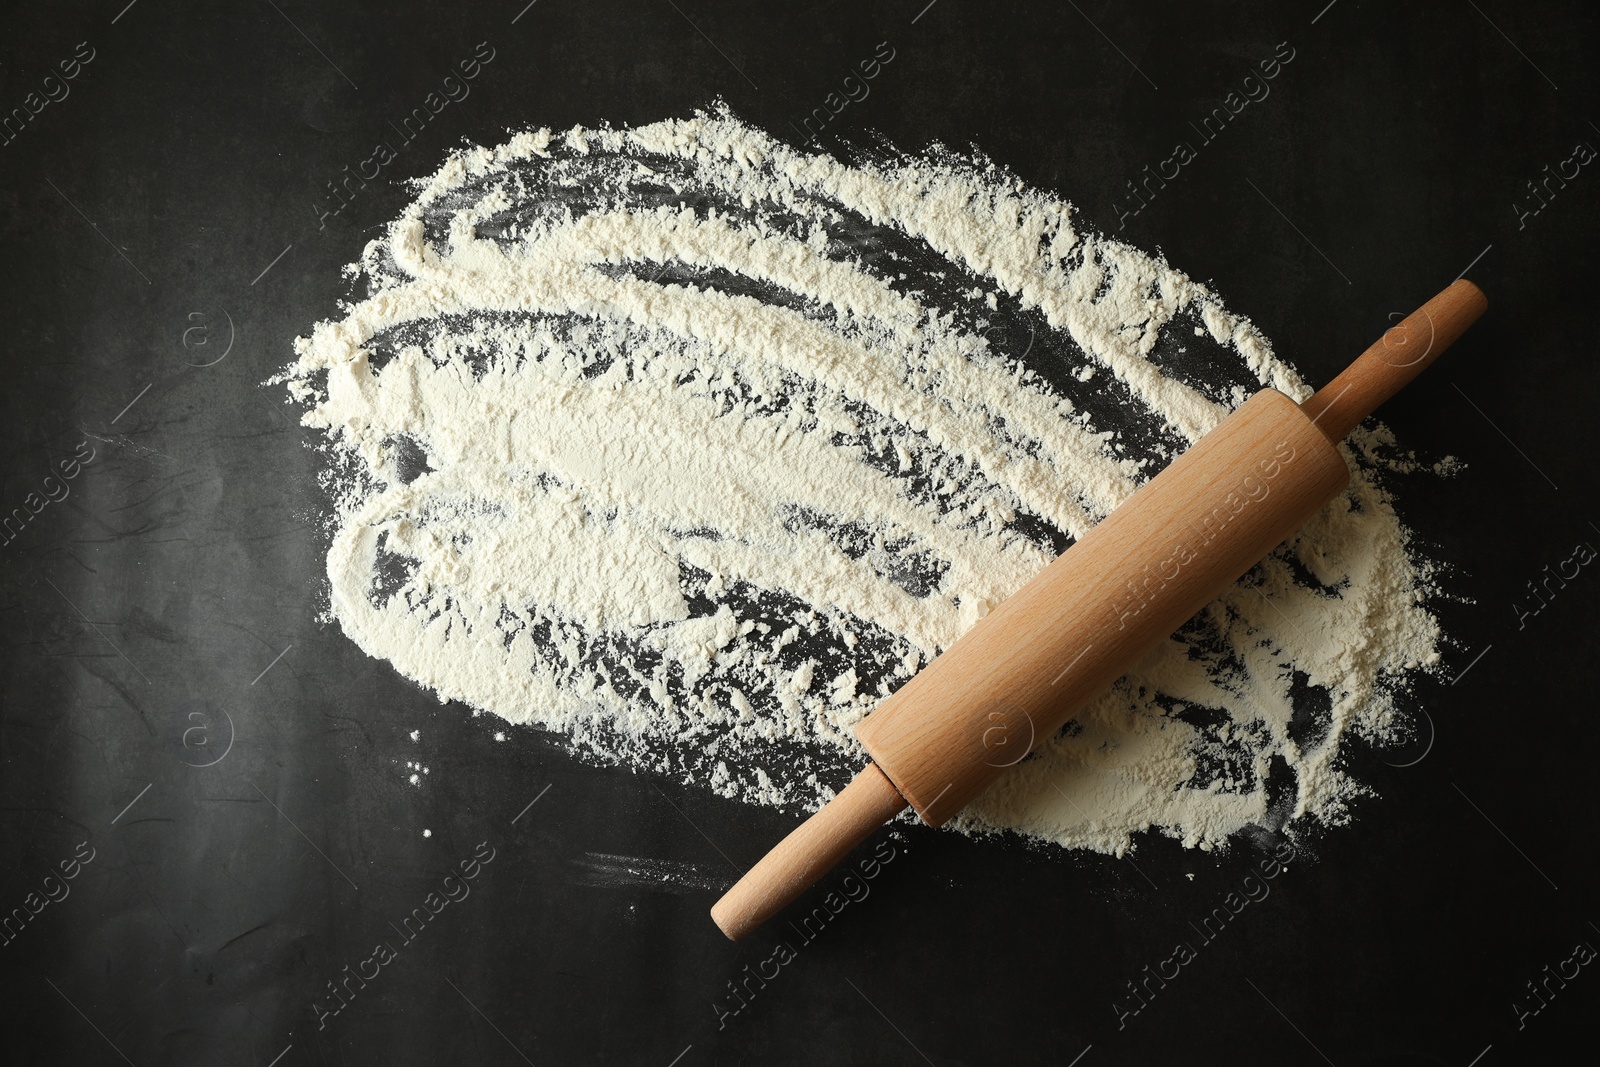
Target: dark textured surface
{"x":195,"y":147}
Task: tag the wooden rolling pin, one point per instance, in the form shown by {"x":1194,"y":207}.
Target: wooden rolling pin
{"x":1174,"y":546}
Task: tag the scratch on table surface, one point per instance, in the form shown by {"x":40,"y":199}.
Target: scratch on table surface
{"x":607,"y":871}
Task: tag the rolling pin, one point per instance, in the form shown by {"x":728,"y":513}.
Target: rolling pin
{"x":1027,"y":667}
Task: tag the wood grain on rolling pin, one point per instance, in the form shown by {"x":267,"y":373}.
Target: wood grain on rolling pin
{"x":1019,"y":674}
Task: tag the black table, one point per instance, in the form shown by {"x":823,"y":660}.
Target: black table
{"x":166,"y":225}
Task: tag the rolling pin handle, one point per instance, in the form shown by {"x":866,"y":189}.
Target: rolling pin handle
{"x":1402,"y":353}
{"x":809,"y":852}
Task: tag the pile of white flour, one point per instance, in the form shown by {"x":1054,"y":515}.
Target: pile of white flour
{"x":689,"y":447}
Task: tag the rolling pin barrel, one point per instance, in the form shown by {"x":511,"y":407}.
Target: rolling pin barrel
{"x":1016,"y":677}
{"x":1177,"y":543}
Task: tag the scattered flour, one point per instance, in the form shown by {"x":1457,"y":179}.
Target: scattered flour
{"x":689,"y":447}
